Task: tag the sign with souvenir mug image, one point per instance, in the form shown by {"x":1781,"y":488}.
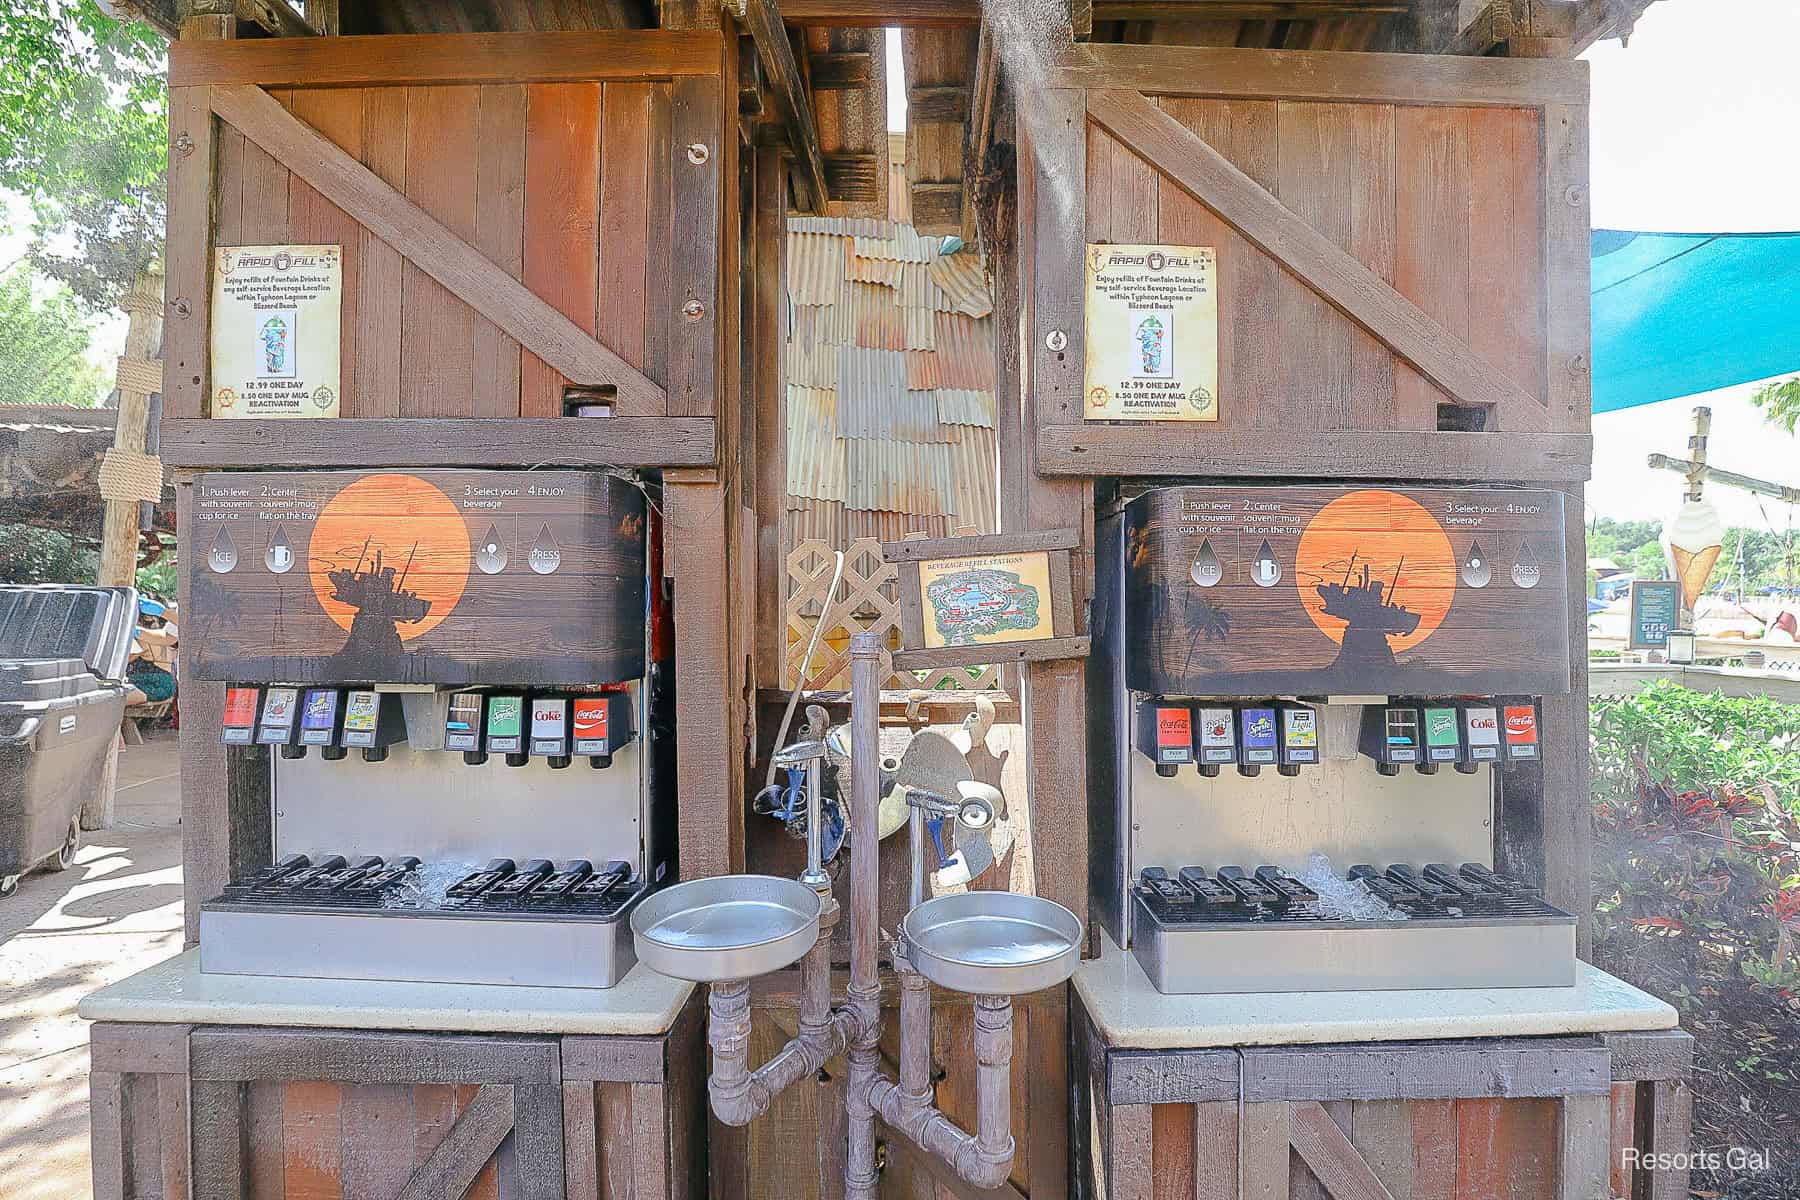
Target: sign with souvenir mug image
{"x":276,"y":313}
{"x":1152,"y":333}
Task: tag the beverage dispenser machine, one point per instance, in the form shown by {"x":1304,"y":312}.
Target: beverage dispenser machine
{"x":1312,"y":705}
{"x":452,"y":679}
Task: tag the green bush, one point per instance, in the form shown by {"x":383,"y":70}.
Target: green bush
{"x":1697,"y":740}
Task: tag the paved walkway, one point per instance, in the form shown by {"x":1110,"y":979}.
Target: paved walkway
{"x":116,"y":911}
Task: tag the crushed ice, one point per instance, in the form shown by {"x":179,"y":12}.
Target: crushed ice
{"x":1343,"y":899}
{"x":425,"y":887}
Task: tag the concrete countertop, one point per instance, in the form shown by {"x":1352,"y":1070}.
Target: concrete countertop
{"x":1130,"y":1013}
{"x":175,"y":991}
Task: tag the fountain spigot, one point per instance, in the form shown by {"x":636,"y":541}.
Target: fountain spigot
{"x":811,"y":755}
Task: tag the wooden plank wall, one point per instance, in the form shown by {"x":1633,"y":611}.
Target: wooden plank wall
{"x":1445,"y":203}
{"x":535,"y":176}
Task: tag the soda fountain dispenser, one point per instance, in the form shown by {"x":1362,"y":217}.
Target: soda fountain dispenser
{"x":447,"y":642}
{"x":1328,"y":644}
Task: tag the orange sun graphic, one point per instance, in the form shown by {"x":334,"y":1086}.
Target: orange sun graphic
{"x":1386,"y":532}
{"x":417,"y":530}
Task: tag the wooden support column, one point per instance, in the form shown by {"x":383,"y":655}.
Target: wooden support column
{"x":768,"y":350}
{"x":1052,"y":217}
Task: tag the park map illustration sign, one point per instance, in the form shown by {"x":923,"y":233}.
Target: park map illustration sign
{"x":276,"y":312}
{"x":1152,"y":333}
{"x":988,"y":598}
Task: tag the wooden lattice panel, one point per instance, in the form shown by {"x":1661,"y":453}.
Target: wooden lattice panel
{"x":867,"y":599}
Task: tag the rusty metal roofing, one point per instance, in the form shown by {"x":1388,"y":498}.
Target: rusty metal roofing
{"x":905,"y":417}
{"x":815,"y":458}
{"x":888,"y":433}
{"x":975,"y":478}
{"x":960,"y":406}
{"x":962,"y":281}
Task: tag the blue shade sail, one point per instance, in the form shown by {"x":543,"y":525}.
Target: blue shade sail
{"x":1677,"y":314}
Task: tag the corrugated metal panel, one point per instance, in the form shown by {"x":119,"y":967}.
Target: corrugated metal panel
{"x":897,"y":476}
{"x":891,"y":526}
{"x":843,"y":226}
{"x":908,"y":417}
{"x":966,"y":346}
{"x":803,"y":324}
{"x":820,"y":519}
{"x":815,"y":457}
{"x":815,"y":268}
{"x":883,"y":328}
{"x":871,"y":270}
{"x":870,"y":381}
{"x":975,"y":479}
{"x":841,"y":324}
{"x":812,"y":364}
{"x":919,"y":329}
{"x":963,"y":284}
{"x":903,"y":245}
{"x":958,"y":406}
{"x":916,"y":288}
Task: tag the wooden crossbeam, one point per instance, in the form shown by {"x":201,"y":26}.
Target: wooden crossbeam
{"x":432,"y":247}
{"x":763,"y":19}
{"x":1323,"y":1147}
{"x":1346,"y":284}
{"x":479,"y":1129}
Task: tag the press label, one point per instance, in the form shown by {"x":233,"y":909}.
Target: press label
{"x":361,"y":713}
{"x":1521,"y":731}
{"x":318,"y":716}
{"x":1441,"y":740}
{"x":549,"y":725}
{"x":1300,"y":734}
{"x":505,"y":723}
{"x":592,"y":726}
{"x":1483,"y":727}
{"x":1218,"y":743}
{"x":1174,"y":735}
{"x":462,"y":727}
{"x":240,"y":714}
{"x":1259,"y":735}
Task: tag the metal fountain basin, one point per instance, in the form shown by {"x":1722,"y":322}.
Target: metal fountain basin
{"x":727,"y":927}
{"x":993,"y":943}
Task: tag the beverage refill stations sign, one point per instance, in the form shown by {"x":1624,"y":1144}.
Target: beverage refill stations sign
{"x":1152,"y":333}
{"x":275,"y":318}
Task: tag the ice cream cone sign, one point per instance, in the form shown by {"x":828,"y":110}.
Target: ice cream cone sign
{"x":1691,"y":542}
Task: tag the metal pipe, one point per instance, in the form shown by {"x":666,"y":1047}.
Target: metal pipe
{"x":864,"y":993}
{"x":915,"y":823}
{"x":740,"y":1095}
{"x":814,"y":877}
{"x":985,"y":1157}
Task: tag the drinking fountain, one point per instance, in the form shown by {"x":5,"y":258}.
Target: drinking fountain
{"x":725,"y":931}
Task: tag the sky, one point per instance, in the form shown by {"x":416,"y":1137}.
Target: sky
{"x":1693,"y":129}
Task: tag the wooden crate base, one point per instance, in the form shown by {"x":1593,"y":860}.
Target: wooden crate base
{"x":214,"y":1112}
{"x":1499,"y":1119}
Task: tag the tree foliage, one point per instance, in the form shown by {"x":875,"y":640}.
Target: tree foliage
{"x":1780,"y":403}
{"x":83,"y":135}
{"x":43,"y":347}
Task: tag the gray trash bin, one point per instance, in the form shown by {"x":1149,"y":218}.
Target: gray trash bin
{"x":63,"y":652}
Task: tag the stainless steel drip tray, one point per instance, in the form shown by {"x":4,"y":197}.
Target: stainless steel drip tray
{"x":1332,"y":956}
{"x":416,"y":945}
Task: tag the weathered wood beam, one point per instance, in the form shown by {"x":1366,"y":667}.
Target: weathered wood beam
{"x":191,"y":443}
{"x":763,"y":19}
{"x":866,"y":13}
{"x":846,"y":72}
{"x":855,"y":177}
{"x":1344,"y":1172}
{"x":451,"y":1168}
{"x":432,"y":247}
{"x":1242,"y":10}
{"x":388,"y":60}
{"x":937,"y":207}
{"x":276,"y":16}
{"x":1312,"y":258}
{"x":937,"y":105}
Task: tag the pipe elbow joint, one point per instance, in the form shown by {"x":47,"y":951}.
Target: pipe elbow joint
{"x":738,"y":1107}
{"x":985,"y":1167}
